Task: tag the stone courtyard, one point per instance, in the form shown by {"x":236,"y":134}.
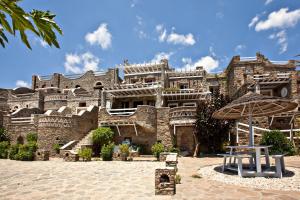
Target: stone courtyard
{"x":56,"y":179}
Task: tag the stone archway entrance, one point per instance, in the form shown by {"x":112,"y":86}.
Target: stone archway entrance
{"x":20,"y":140}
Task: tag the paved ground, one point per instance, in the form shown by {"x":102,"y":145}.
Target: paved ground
{"x":56,"y":179}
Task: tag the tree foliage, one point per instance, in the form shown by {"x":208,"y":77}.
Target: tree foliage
{"x":211,"y":133}
{"x":13,"y":18}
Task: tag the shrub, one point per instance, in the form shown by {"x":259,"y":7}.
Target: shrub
{"x":32,"y":137}
{"x":280,"y":144}
{"x":85,"y":154}
{"x":56,"y":148}
{"x":174,"y":150}
{"x":3,"y":135}
{"x":102,"y":135}
{"x":177,"y":179}
{"x":156,"y":149}
{"x":4,"y":147}
{"x":124,"y":149}
{"x":107,"y":151}
{"x":26,"y":152}
{"x":13,"y":151}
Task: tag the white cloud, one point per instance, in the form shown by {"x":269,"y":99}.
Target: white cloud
{"x":161,"y":55}
{"x":79,"y":63}
{"x":139,"y":20}
{"x":142,"y":34}
{"x":239,"y":48}
{"x":101,"y":37}
{"x":207,"y":62}
{"x":253,"y":21}
{"x":219,"y":15}
{"x":268,"y":1}
{"x":21,"y":83}
{"x":211,"y":51}
{"x":174,"y":38}
{"x":279,"y":19}
{"x":281,"y":40}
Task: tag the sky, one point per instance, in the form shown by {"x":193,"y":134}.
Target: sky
{"x":100,"y":34}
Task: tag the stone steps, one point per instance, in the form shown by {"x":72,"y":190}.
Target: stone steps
{"x":86,"y":141}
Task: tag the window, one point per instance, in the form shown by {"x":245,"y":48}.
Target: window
{"x":82,"y":104}
{"x":149,"y":80}
{"x":136,"y":103}
{"x":183,"y":86}
{"x":125,"y":104}
{"x":151,"y":103}
{"x":173,"y":105}
{"x":77,"y":86}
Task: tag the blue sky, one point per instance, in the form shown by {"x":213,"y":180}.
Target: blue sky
{"x":100,"y":34}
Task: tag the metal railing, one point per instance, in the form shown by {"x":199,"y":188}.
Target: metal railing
{"x":255,"y":130}
{"x":122,"y":111}
{"x":21,"y":120}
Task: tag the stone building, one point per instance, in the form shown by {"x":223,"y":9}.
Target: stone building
{"x":153,"y":102}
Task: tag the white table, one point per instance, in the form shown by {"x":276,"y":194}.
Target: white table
{"x":257,"y":154}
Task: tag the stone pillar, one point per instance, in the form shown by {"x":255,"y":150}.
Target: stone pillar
{"x":158,"y":103}
{"x":103,"y":99}
{"x":294,"y":87}
{"x":164,"y":132}
{"x":165,"y":181}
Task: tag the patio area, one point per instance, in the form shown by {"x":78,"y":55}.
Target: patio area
{"x":56,"y":179}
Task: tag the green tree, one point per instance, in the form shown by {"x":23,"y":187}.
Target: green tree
{"x":41,"y":23}
{"x":209,"y":132}
{"x":100,"y":137}
{"x":3,"y":135}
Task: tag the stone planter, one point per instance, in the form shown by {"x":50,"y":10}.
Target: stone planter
{"x":42,"y":155}
{"x":123,"y":156}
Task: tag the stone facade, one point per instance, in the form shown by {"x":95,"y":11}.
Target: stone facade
{"x":154,"y":102}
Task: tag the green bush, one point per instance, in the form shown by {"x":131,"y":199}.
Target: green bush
{"x":280,"y":144}
{"x":3,"y":135}
{"x":4,"y":147}
{"x":26,"y":152}
{"x":13,"y":151}
{"x":107,"y":151}
{"x":56,"y":148}
{"x":177,"y":179}
{"x":32,"y":137}
{"x":85,"y":154}
{"x":174,"y":150}
{"x":124,"y":149}
{"x":102,"y":135}
{"x":156,"y":149}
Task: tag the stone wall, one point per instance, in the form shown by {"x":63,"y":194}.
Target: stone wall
{"x":87,"y":81}
{"x":55,"y":101}
{"x":164,"y":132}
{"x":185,"y":138}
{"x":30,"y":100}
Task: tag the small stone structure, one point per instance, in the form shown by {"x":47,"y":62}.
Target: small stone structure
{"x":171,"y":161}
{"x":71,"y":156}
{"x":165,"y":181}
{"x":42,"y":155}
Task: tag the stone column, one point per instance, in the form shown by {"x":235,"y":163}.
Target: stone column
{"x":103,"y":99}
{"x":158,"y":103}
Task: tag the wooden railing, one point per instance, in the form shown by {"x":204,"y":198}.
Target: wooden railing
{"x":122,"y":111}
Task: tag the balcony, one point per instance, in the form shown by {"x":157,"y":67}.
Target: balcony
{"x":183,"y":115}
{"x":143,"y":116}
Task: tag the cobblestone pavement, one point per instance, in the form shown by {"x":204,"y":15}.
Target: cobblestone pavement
{"x":56,"y":179}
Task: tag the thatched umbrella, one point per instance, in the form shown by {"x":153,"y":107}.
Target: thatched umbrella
{"x":254,"y":105}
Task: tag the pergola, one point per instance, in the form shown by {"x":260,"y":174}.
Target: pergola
{"x":117,"y":124}
{"x":188,"y":94}
{"x":129,"y":90}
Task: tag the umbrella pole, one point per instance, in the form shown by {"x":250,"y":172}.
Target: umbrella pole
{"x":250,"y":131}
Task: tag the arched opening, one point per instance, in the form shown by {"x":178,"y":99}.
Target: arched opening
{"x":44,"y":85}
{"x":164,"y":178}
{"x":77,"y":86}
{"x":20,"y":140}
{"x":98,"y":85}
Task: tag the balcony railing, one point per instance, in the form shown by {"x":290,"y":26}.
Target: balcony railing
{"x":183,"y":112}
{"x":22,"y":120}
{"x":122,"y":111}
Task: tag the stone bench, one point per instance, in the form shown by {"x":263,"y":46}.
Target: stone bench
{"x":279,"y":164}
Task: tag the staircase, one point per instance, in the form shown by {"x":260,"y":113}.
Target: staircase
{"x":86,"y":141}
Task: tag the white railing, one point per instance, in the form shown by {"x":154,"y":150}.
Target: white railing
{"x":283,"y":75}
{"x":21,"y":120}
{"x":255,"y":128}
{"x":122,"y":111}
{"x":260,"y":76}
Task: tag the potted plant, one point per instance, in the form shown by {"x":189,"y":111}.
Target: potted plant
{"x":56,"y":148}
{"x":157,"y":148}
{"x":124,"y":149}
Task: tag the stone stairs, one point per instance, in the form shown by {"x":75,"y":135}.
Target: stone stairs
{"x":86,"y":141}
